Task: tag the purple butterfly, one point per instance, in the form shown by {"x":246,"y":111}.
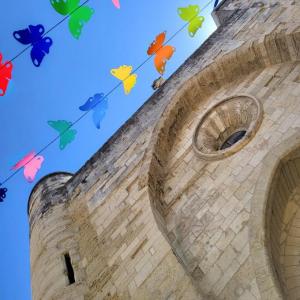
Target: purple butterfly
{"x":2,"y":194}
{"x":40,"y":45}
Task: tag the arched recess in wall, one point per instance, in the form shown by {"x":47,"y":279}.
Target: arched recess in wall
{"x":274,"y":229}
{"x":273,"y":49}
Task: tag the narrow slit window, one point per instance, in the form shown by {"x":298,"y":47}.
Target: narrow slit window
{"x":69,"y":267}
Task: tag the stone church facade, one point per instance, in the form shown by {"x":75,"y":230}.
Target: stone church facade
{"x":197,"y":196}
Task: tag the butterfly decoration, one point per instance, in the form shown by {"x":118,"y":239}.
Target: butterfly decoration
{"x":123,"y":73}
{"x":3,"y":192}
{"x":191,"y":15}
{"x":162,"y":53}
{"x":216,"y":3}
{"x":40,"y":45}
{"x":98,"y":103}
{"x":5,"y":75}
{"x":116,"y":3}
{"x":66,"y":134}
{"x":31,"y":164}
{"x":78,"y":15}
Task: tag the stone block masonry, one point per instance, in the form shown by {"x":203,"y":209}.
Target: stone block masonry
{"x":147,"y":218}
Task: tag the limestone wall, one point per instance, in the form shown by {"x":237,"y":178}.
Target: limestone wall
{"x":207,"y":204}
{"x":53,"y":235}
{"x":175,"y":226}
{"x":283,"y":225}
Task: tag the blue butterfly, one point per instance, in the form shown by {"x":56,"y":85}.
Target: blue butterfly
{"x":99,"y":105}
{"x":40,"y":45}
{"x":2,"y":194}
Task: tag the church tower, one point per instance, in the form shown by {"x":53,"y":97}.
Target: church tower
{"x":197,"y":196}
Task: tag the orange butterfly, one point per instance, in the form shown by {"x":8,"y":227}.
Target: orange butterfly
{"x":162,"y":53}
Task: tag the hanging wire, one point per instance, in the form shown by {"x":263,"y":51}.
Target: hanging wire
{"x":45,"y":33}
{"x":106,"y":95}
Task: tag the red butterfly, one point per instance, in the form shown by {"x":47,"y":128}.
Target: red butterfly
{"x":5,"y":75}
{"x":162,"y":53}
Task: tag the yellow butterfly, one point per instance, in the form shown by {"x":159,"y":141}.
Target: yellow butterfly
{"x":124,"y":74}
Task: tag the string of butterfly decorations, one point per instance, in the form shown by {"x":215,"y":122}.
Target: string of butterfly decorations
{"x":34,"y":37}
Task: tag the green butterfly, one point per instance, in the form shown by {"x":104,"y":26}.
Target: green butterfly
{"x":67,"y":135}
{"x":190,"y":14}
{"x":78,"y":14}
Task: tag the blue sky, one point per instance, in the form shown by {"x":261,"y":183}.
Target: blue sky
{"x":72,"y":72}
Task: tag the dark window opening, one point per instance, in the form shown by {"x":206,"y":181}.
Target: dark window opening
{"x":70,"y":270}
{"x":234,"y":138}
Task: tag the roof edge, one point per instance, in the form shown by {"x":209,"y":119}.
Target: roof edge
{"x":42,"y":180}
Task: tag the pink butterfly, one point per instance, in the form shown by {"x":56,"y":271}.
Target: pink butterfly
{"x":31,"y":164}
{"x":116,"y":3}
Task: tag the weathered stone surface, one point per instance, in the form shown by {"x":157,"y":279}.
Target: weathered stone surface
{"x":145,"y":218}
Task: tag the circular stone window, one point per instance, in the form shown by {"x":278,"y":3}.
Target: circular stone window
{"x":227,"y":127}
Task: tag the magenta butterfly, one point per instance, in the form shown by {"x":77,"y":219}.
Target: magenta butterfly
{"x":31,"y":164}
{"x":116,"y":3}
